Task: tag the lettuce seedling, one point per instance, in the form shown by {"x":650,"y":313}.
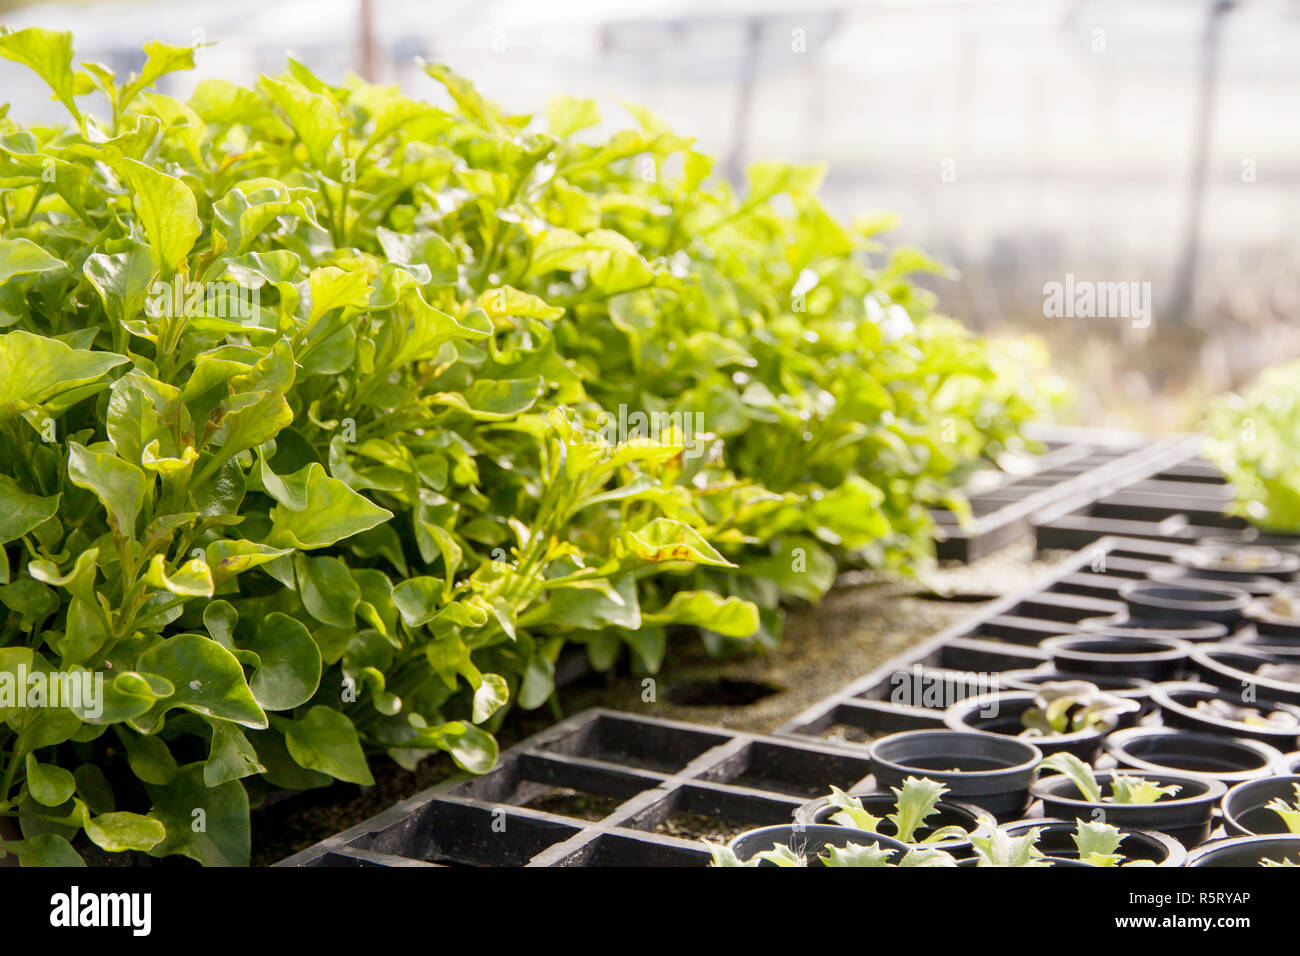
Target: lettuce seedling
{"x":1067,"y":707}
{"x":851,"y":854}
{"x":918,"y":799}
{"x":1124,"y":788}
{"x":1289,"y":812}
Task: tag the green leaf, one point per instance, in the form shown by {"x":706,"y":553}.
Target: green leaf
{"x":230,"y":756}
{"x":664,"y":539}
{"x":325,"y":740}
{"x":149,"y":758}
{"x":332,"y":288}
{"x":207,"y":679}
{"x":20,"y":257}
{"x":331,"y":511}
{"x":49,"y":785}
{"x":850,"y":812}
{"x":916,"y":800}
{"x":167,"y":209}
{"x":21,"y":512}
{"x":314,"y":118}
{"x":1097,"y":843}
{"x":730,"y":616}
{"x":492,"y":694}
{"x":35,"y":370}
{"x":1129,"y":789}
{"x":46,"y":849}
{"x":49,"y":55}
{"x":208,"y":824}
{"x":855,"y":854}
{"x":119,"y":485}
{"x":160,"y":59}
{"x":327,"y":590}
{"x":569,"y":114}
{"x":120,"y":831}
{"x":289,"y":668}
{"x":1076,"y":770}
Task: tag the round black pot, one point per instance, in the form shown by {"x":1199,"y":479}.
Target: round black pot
{"x":1291,"y":763}
{"x":1186,"y":816}
{"x":1256,"y":585}
{"x":989,"y":770}
{"x":970,"y":714}
{"x":1124,"y":625}
{"x":811,"y":839}
{"x":946,"y":813}
{"x":1246,"y":851}
{"x":1222,"y":602}
{"x":1218,"y":557}
{"x":1230,"y":760}
{"x":1272,"y":628}
{"x":1231,"y":667}
{"x":1177,"y":703}
{"x":1151,"y":658}
{"x":1244,"y":812}
{"x":1251,"y":538}
{"x":1056,"y":838}
{"x":1134,"y":688}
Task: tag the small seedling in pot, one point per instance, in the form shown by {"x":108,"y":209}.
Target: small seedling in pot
{"x":1254,"y":716}
{"x":1123,"y":788}
{"x":1289,"y":812}
{"x":918,"y":799}
{"x":1067,"y":707}
{"x":851,"y":854}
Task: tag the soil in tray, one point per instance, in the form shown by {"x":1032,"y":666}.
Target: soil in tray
{"x":847,"y":734}
{"x":701,"y":826}
{"x":574,"y":803}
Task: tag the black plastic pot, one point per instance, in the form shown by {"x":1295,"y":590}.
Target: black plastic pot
{"x":1124,"y":625}
{"x":1177,"y":703}
{"x":1134,"y":688}
{"x":1212,"y":557}
{"x":1186,"y":816}
{"x":1151,"y":658}
{"x":1272,"y":628}
{"x":988,"y":770}
{"x":946,"y":813}
{"x":1222,"y":602}
{"x":1244,"y":812}
{"x":1255,"y":585}
{"x":1291,"y":763}
{"x":1246,"y":851}
{"x":811,"y":839}
{"x":1233,"y":666}
{"x":1251,"y":538}
{"x":971,"y":713}
{"x":1056,"y":838}
{"x":1229,"y":760}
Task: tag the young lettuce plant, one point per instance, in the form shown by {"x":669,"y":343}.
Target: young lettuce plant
{"x":1097,"y":843}
{"x":1124,"y":788}
{"x":917,"y":799}
{"x":1066,"y":707}
{"x":851,"y":854}
{"x":1289,"y":812}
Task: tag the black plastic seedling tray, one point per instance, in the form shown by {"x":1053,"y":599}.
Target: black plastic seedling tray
{"x":1182,"y":503}
{"x":1002,"y":636}
{"x":1078,"y":466}
{"x":601,"y":788}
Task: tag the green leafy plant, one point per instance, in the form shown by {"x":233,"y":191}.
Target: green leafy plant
{"x":1124,"y":788}
{"x":917,"y":799}
{"x":315,"y":439}
{"x":1289,"y":812}
{"x":1254,"y":438}
{"x":1066,"y":707}
{"x":851,"y":854}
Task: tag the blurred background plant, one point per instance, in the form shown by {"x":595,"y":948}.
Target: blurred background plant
{"x":1019,"y":141}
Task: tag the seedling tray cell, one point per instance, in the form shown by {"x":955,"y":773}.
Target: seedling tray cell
{"x":1079,"y":466}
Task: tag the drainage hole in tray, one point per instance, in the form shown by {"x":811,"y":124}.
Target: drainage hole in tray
{"x":719,"y":692}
